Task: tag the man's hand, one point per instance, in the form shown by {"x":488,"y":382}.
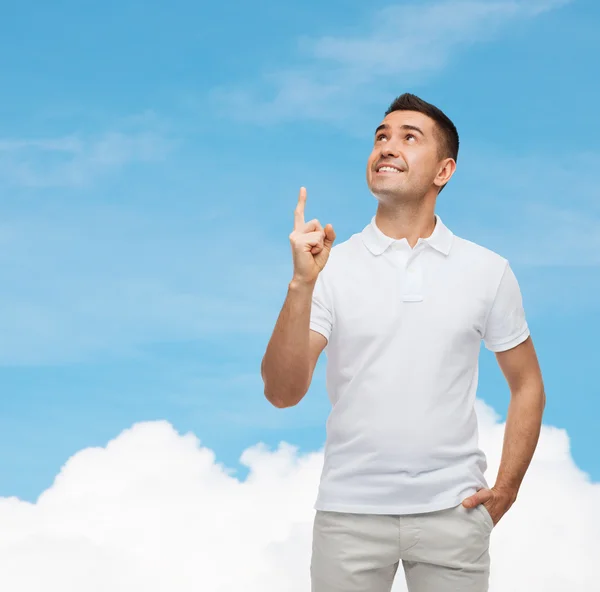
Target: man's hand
{"x":496,"y":502}
{"x":311,"y":244}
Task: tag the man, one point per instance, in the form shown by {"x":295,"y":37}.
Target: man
{"x":401,"y":309}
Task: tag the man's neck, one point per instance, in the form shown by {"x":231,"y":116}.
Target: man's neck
{"x":407,"y":222}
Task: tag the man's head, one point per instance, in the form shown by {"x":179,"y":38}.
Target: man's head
{"x":419,"y":144}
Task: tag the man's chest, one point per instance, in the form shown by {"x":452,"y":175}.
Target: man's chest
{"x":418,"y":302}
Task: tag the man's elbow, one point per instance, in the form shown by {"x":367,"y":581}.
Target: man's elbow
{"x":279,"y":397}
{"x":279,"y":403}
{"x":538,"y":388}
{"x":282,"y":400}
{"x":543,"y":397}
{"x":534,"y":392}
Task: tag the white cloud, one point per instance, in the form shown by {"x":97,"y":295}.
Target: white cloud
{"x":154,"y":511}
{"x":76,"y":160}
{"x":338,"y":73}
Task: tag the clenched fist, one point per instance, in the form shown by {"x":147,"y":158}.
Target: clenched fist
{"x":311,"y":244}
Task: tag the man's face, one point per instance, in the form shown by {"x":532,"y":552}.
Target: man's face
{"x":406,"y":157}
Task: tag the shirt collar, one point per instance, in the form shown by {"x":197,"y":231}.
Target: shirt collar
{"x":377,"y":242}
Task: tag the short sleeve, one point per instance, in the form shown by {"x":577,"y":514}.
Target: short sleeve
{"x":321,"y":316}
{"x":506,"y":325}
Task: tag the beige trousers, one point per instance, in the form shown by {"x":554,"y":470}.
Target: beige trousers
{"x":444,"y":551}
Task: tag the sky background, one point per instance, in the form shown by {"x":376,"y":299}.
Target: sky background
{"x":150,"y":159}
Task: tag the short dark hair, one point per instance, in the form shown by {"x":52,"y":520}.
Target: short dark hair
{"x":447,"y":136}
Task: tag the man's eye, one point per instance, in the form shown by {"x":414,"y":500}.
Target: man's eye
{"x":380,"y":137}
{"x":408,"y":136}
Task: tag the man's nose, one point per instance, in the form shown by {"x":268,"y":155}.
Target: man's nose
{"x":390,"y":149}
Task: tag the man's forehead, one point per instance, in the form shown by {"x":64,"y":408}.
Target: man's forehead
{"x":399,"y":118}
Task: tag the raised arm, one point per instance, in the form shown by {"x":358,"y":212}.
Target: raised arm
{"x":293,"y":350}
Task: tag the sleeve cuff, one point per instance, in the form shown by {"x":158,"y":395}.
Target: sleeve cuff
{"x":320,"y":329}
{"x":510,"y":343}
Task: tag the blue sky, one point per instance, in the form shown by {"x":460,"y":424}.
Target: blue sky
{"x":150,"y":159}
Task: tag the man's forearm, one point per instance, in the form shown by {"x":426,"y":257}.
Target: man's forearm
{"x":523,"y":425}
{"x":285,"y":366}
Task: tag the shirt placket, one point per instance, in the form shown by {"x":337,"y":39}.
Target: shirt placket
{"x":413,"y":276}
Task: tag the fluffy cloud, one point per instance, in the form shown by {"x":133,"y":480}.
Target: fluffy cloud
{"x":154,"y":511}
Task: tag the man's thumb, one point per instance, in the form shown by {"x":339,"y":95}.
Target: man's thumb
{"x":329,"y":235}
{"x":480,"y":497}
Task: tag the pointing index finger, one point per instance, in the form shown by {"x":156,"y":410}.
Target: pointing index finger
{"x":299,"y":212}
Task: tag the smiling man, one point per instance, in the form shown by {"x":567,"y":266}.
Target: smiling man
{"x":401,"y":310}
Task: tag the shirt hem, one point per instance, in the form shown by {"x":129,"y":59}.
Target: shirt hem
{"x":391,"y":509}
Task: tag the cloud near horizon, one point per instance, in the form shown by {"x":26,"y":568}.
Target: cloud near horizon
{"x":154,"y":510}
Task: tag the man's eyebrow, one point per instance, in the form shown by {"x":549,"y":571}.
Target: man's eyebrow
{"x":406,"y":126}
{"x":414,"y":128}
{"x":383,"y":126}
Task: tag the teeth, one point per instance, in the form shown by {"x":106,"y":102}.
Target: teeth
{"x":388,"y":169}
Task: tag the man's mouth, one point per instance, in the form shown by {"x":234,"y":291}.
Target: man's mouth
{"x":386,"y":168}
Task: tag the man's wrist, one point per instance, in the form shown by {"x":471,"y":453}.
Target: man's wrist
{"x":506,"y":491}
{"x":301,"y":285}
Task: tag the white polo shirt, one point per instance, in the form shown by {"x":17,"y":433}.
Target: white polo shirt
{"x":404,"y":329}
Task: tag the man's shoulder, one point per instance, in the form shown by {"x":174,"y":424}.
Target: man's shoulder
{"x":347,"y":249}
{"x":477,"y":253}
{"x":343,"y":255}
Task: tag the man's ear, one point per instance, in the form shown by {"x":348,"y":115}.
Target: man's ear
{"x":446,"y":171}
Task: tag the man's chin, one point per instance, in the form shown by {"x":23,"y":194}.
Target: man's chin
{"x":387,"y":193}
